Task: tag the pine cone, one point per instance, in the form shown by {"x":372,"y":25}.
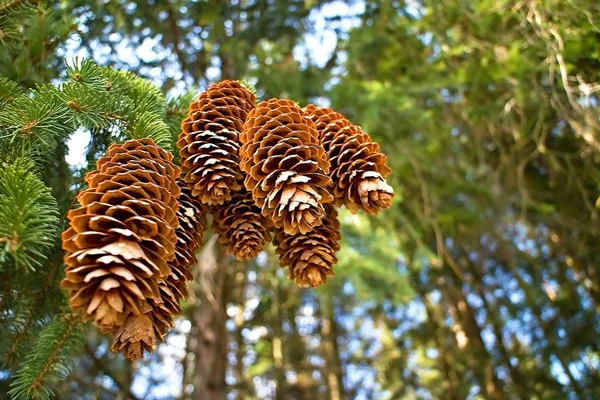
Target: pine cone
{"x":311,"y":256}
{"x":242,"y":230}
{"x":358,"y":167}
{"x":122,"y":237}
{"x":286,"y":166}
{"x":140,"y":332}
{"x":137,"y":335}
{"x":208,"y":144}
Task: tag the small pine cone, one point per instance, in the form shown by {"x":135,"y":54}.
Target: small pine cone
{"x":358,"y":167}
{"x":243,"y":230}
{"x":121,"y":239}
{"x":137,"y":335}
{"x":311,"y":256}
{"x":208,"y":144}
{"x":140,"y":332}
{"x":287,"y":169}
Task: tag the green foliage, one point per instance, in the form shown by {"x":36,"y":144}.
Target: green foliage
{"x":177,"y":110}
{"x":94,"y":98}
{"x":144,"y":106}
{"x":9,"y":90}
{"x":28,"y":217}
{"x":370,"y":259}
{"x":37,"y":121}
{"x":31,"y":32}
{"x":488,"y":111}
{"x":50,"y":359}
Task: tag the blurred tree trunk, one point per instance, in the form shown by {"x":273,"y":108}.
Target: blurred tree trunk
{"x":210,"y":361}
{"x":331,"y":352}
{"x":434,"y":324}
{"x":238,"y":298}
{"x":494,"y":317}
{"x":464,"y":315}
{"x":277,"y":340}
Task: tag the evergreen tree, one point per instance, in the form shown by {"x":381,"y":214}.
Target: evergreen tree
{"x":480,"y":282}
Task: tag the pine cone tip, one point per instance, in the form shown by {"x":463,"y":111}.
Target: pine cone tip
{"x":312,"y":276}
{"x":135,"y":336}
{"x":374,"y":194}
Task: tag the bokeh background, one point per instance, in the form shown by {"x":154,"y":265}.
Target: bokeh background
{"x":481,"y":282}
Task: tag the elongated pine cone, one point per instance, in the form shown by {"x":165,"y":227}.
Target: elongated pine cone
{"x":140,"y":332}
{"x":243,"y":230}
{"x":209,"y":141}
{"x":287,"y":169}
{"x":358,"y":167}
{"x":122,"y":237}
{"x":311,"y":256}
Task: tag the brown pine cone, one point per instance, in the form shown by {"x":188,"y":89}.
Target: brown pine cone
{"x":140,"y":332}
{"x":311,"y":256}
{"x":358,"y":167}
{"x":208,"y":144}
{"x":287,"y":169}
{"x":121,"y":239}
{"x":137,"y":335}
{"x":243,"y":230}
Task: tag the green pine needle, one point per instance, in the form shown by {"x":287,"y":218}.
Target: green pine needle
{"x":9,"y":90}
{"x":151,"y":125}
{"x":28,"y":217}
{"x":90,"y":105}
{"x":49,"y":360}
{"x":249,"y":86}
{"x":86,"y":72}
{"x":39,"y":120}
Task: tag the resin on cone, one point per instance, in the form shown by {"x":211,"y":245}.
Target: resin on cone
{"x":120,"y":240}
{"x":358,"y":167}
{"x":140,"y":332}
{"x":287,"y":169}
{"x":209,"y":141}
{"x":243,"y":231}
{"x":310,"y":257}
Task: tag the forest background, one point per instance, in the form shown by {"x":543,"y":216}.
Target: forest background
{"x":481,"y":282}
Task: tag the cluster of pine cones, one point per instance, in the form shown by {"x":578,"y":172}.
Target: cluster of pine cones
{"x":258,"y":169}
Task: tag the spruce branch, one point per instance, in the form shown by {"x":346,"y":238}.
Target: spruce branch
{"x":87,"y":72}
{"x":28,"y":216}
{"x":11,"y":5}
{"x":9,"y":90}
{"x":31,"y":312}
{"x":39,"y":120}
{"x":49,"y":359}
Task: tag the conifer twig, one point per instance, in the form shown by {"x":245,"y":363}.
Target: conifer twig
{"x":23,"y":332}
{"x":12,"y":4}
{"x":37,"y":381}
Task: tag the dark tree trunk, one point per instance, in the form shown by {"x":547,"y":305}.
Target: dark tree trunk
{"x":333,"y":364}
{"x":277,"y":339}
{"x":209,"y":318}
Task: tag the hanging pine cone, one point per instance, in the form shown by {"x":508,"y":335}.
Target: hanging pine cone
{"x":208,"y":144}
{"x":358,"y":167}
{"x":311,"y":256}
{"x":243,"y":230}
{"x":122,"y":237}
{"x":286,"y":166}
{"x":141,"y":332}
{"x":138,"y":334}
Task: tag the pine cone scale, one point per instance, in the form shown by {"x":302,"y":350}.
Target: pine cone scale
{"x":358,"y":168}
{"x":287,"y":169}
{"x":117,"y":246}
{"x":310,"y":255}
{"x":209,"y":141}
{"x":140,"y":332}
